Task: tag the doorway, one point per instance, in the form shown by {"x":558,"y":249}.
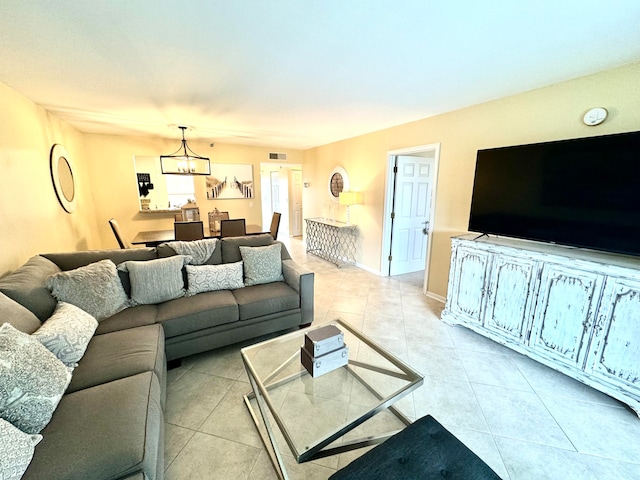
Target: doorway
{"x":281,"y":187}
{"x":409,"y":209}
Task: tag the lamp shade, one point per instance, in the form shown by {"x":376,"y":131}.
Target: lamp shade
{"x":350,"y":198}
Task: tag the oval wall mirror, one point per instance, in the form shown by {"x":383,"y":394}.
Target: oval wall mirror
{"x":63,"y":179}
{"x":338,"y":182}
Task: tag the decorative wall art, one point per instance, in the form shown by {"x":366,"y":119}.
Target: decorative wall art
{"x":63,"y":179}
{"x":228,"y":181}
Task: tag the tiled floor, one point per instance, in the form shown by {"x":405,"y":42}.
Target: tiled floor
{"x":525,"y":420}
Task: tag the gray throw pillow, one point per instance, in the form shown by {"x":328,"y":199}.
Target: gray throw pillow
{"x":156,"y":281}
{"x":16,"y":450}
{"x":262,"y":264}
{"x":67,"y":333}
{"x":32,"y":380}
{"x":95,"y":288}
{"x":208,"y":278}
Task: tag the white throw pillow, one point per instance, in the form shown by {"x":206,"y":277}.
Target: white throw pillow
{"x":95,"y":288}
{"x":156,"y":281}
{"x":16,"y":451}
{"x":262,"y":264}
{"x":67,"y":333}
{"x":32,"y":380}
{"x":208,"y":278}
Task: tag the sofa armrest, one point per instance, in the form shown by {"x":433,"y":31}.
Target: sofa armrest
{"x":301,"y":280}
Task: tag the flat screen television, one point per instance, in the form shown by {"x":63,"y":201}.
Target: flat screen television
{"x":582,"y":192}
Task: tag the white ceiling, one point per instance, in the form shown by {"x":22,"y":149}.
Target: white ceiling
{"x":297,"y":73}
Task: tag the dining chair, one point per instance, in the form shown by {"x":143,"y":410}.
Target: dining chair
{"x":233,"y":228}
{"x":116,"y":231}
{"x":275,"y":224}
{"x":216,"y":217}
{"x":187,"y":231}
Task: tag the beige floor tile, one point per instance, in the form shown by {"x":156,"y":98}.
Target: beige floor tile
{"x":230,"y":419}
{"x":175,"y":439}
{"x":529,"y":461}
{"x":519,"y":415}
{"x":206,"y":457}
{"x":449,"y":402}
{"x":596,"y":429}
{"x":192,"y":398}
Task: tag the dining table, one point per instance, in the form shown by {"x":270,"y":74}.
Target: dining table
{"x":153,"y":238}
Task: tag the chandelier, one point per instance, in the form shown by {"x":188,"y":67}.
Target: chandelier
{"x":184,"y":161}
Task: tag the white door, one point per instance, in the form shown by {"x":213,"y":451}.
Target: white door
{"x":275,"y":191}
{"x":411,"y":213}
{"x":295,"y":225}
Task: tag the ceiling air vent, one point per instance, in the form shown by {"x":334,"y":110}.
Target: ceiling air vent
{"x":277,"y":156}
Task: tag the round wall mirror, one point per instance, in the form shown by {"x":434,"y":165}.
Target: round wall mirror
{"x":338,"y":182}
{"x":63,"y":179}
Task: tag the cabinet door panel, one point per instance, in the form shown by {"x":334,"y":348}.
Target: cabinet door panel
{"x":564,"y":313}
{"x":615,"y":351}
{"x":470,"y":272}
{"x":509,"y":302}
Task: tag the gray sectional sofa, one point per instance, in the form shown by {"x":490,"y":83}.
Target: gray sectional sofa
{"x":109,"y":423}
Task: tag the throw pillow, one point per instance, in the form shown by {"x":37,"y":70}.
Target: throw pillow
{"x":32,"y":380}
{"x":262,"y":264}
{"x":207,"y":278}
{"x":156,"y":281}
{"x":95,"y":288}
{"x":16,"y":451}
{"x":67,"y":333}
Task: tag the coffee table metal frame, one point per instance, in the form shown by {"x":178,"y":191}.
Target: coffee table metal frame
{"x":321,"y":448}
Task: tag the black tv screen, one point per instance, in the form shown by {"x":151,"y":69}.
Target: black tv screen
{"x":583,"y":192}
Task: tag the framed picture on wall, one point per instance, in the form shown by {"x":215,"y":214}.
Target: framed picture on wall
{"x":228,"y":181}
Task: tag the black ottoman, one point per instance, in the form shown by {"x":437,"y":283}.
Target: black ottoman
{"x":424,"y":450}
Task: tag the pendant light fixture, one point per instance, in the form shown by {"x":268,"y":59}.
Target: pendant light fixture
{"x":184,"y":161}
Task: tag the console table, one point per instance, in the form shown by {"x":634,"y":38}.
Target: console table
{"x":574,"y":310}
{"x":332,"y":241}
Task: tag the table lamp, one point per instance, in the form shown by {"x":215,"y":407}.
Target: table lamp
{"x":348,"y":199}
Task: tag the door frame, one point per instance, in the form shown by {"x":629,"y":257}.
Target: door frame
{"x":388,"y":205}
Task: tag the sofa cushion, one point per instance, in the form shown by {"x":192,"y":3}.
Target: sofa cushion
{"x":20,"y":317}
{"x":121,"y":354}
{"x":209,"y":278}
{"x":16,"y":450}
{"x":131,"y":317}
{"x":190,"y":314}
{"x":27,"y":285}
{"x":104,"y":432}
{"x":95,"y":288}
{"x":67,"y":333}
{"x":32,"y":380}
{"x":262,"y":264}
{"x":156,"y":281}
{"x":259,"y":300}
{"x":73,"y":260}
{"x":231,"y":245}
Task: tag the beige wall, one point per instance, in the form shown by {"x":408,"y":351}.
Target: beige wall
{"x":31,"y":219}
{"x":116,"y":192}
{"x":545,"y":114}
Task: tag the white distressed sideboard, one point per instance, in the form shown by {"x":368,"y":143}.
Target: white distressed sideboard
{"x":575,"y":310}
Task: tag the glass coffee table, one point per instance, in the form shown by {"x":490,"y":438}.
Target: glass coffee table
{"x":329,"y":414}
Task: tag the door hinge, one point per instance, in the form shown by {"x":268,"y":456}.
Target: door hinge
{"x":390,"y":258}
{"x":393,"y":215}
{"x":395,"y":169}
